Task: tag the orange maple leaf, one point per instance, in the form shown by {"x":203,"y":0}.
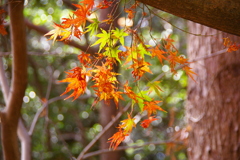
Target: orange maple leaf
{"x":130,"y":93}
{"x":105,"y":84}
{"x":139,"y":68}
{"x":172,"y":59}
{"x":104,"y":4}
{"x":88,"y":3}
{"x":159,"y":53}
{"x":77,"y":81}
{"x":152,"y":107}
{"x":84,"y":59}
{"x":117,"y":138}
{"x":230,"y":45}
{"x":233,"y":47}
{"x":145,"y":123}
{"x":189,"y":72}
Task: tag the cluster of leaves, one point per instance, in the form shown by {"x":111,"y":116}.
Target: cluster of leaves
{"x":99,"y":68}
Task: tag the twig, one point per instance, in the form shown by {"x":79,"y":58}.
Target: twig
{"x":102,"y":151}
{"x":42,"y":30}
{"x":109,"y":125}
{"x":209,"y":56}
{"x":43,"y":53}
{"x":30,"y":132}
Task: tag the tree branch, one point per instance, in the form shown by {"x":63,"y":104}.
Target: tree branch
{"x":109,"y":125}
{"x":224,"y":15}
{"x":127,"y":147}
{"x":42,"y":30}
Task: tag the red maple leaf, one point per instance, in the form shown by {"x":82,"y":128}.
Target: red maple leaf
{"x":145,"y":123}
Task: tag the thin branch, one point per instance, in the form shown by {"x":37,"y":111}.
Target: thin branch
{"x":209,"y":56}
{"x":25,"y":141}
{"x":42,"y":30}
{"x":102,"y":151}
{"x":109,"y":125}
{"x":36,"y":117}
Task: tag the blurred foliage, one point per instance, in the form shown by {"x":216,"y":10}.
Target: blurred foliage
{"x":65,"y":127}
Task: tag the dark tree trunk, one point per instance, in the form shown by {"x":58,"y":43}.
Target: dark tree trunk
{"x":222,"y":15}
{"x":213,"y":108}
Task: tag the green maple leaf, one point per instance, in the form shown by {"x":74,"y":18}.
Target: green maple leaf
{"x":93,"y":27}
{"x":104,"y":38}
{"x":119,"y":34}
{"x":144,"y":97}
{"x":154,"y":86}
{"x":113,"y":53}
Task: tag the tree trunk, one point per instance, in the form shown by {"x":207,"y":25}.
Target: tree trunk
{"x":213,"y":107}
{"x":223,"y":15}
{"x":11,"y":113}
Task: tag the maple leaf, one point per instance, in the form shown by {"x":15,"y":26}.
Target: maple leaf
{"x":89,"y":3}
{"x":233,"y":47}
{"x":84,"y":59}
{"x":93,"y":27}
{"x":58,"y":31}
{"x":159,"y":53}
{"x":152,"y":107}
{"x":105,"y":82}
{"x":143,"y":96}
{"x":172,"y":59}
{"x":168,"y":42}
{"x":145,"y":123}
{"x":154,"y":86}
{"x":139,"y":68}
{"x":130,"y":93}
{"x":104,"y":4}
{"x":189,"y":72}
{"x":230,"y":45}
{"x":77,"y":81}
{"x":127,"y":124}
{"x":116,"y":139}
{"x":103,"y":39}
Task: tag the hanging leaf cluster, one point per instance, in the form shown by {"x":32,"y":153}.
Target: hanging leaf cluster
{"x":112,"y":51}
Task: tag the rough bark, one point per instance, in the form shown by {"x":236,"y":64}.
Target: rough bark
{"x":11,"y":113}
{"x":223,"y":15}
{"x":213,"y":102}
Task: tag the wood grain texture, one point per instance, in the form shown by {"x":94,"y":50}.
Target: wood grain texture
{"x":223,"y":15}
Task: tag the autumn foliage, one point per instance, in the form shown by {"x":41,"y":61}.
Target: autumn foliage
{"x":99,"y":68}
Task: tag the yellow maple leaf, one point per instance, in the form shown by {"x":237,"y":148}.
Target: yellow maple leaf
{"x":127,"y":124}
